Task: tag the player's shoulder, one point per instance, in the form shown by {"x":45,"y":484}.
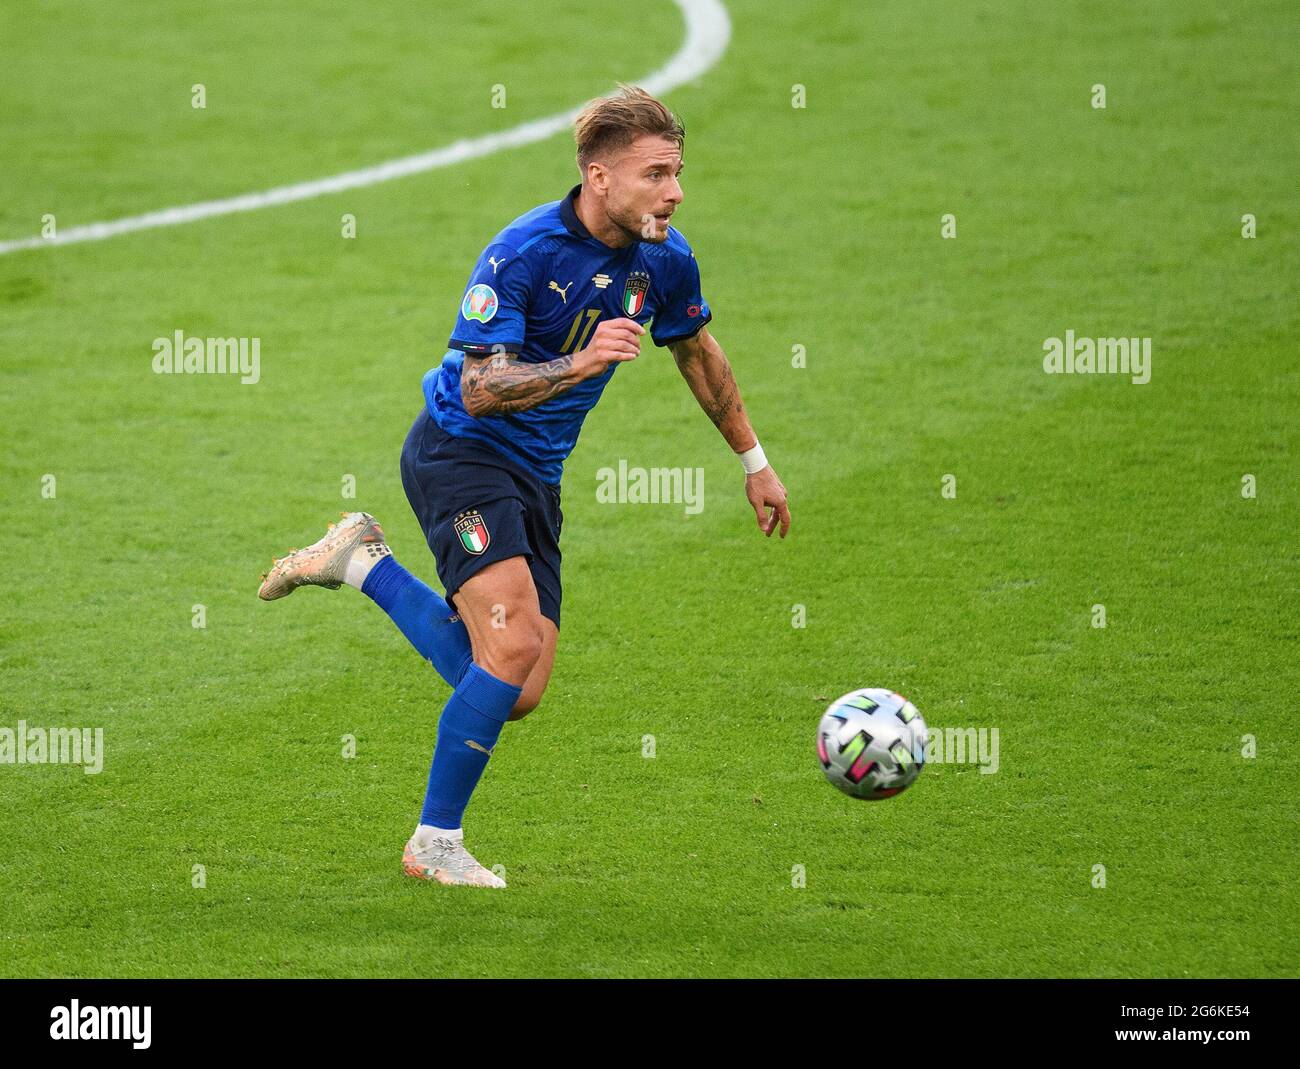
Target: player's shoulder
{"x":678,"y":244}
{"x":672,"y":257}
{"x":529,"y":233}
{"x":675,"y":249}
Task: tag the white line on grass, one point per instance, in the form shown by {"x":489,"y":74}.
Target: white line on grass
{"x":707,"y":31}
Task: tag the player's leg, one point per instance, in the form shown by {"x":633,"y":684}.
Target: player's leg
{"x":499,"y":606}
{"x":354,"y":552}
{"x":432,"y":626}
{"x":422,"y":615}
{"x":486,"y":527}
{"x":542,"y":522}
{"x":535,"y":687}
{"x":483,"y":519}
{"x":476,"y":510}
{"x":502,"y":560}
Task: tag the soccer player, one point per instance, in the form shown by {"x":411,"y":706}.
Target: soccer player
{"x":555,"y":303}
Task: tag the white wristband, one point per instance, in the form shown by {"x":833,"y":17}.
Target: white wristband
{"x":753,"y":460}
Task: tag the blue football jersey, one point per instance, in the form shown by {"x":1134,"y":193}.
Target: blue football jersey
{"x":539,"y":290}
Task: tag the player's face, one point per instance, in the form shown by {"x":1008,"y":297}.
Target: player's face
{"x":644,"y":188}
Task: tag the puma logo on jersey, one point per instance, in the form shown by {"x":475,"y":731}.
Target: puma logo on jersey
{"x":495,"y":263}
{"x":562,"y":292}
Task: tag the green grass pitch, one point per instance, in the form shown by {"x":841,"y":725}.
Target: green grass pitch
{"x":818,"y":227}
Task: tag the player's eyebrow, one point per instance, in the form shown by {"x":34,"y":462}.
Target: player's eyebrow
{"x":664,"y":166}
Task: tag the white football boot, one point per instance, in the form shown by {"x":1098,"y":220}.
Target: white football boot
{"x":325,"y":563}
{"x":447,"y":861}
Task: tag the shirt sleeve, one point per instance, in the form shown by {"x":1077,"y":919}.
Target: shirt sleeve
{"x":684,"y":309}
{"x":493,"y":310}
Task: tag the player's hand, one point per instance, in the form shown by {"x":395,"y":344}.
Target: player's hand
{"x":615,"y":341}
{"x":767,"y":495}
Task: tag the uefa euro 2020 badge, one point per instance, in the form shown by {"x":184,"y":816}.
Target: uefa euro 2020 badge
{"x":480,"y":302}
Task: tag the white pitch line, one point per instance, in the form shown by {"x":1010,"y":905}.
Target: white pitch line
{"x":708,"y":30}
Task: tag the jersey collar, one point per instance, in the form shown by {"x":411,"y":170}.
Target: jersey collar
{"x":572,"y":223}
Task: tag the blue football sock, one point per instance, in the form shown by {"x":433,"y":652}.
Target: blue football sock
{"x":422,"y":616}
{"x":469,"y":727}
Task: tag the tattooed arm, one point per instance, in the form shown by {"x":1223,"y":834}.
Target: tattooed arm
{"x":501,"y":384}
{"x":704,"y":366}
{"x":707,"y":372}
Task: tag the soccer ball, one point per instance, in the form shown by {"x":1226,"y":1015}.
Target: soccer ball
{"x":872,"y":743}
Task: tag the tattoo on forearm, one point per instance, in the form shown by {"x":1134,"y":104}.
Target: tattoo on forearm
{"x":706,"y":368}
{"x":501,"y":385}
{"x":724,"y":398}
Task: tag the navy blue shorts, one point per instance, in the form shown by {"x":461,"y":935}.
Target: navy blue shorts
{"x":475,"y":508}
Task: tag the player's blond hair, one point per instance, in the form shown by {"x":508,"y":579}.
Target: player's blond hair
{"x":610,"y":124}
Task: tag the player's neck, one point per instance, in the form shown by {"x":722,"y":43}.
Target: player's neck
{"x":599,"y":225}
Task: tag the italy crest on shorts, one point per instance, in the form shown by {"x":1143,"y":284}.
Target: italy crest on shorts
{"x":472,"y":532}
{"x":480,"y":302}
{"x":638,"y":284}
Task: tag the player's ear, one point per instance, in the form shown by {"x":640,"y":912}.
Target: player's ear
{"x":598,"y":177}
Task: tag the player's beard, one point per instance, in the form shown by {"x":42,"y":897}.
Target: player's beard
{"x":630,"y":222}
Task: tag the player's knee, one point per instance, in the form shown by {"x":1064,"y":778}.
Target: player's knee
{"x":525,"y":647}
{"x":518,"y":647}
